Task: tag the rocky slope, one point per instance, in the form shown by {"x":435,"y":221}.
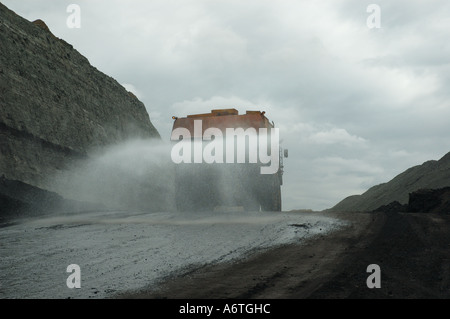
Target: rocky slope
{"x":54,"y":106}
{"x":429,"y":175}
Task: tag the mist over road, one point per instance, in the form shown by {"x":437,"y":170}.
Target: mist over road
{"x":122,"y":252}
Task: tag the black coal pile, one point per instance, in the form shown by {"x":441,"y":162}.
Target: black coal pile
{"x":422,"y":201}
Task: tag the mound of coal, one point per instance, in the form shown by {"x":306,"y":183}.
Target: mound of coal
{"x":436,"y":201}
{"x":394,"y":207}
{"x":429,"y":175}
{"x":430,"y":201}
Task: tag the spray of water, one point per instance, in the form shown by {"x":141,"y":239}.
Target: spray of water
{"x":141,"y":175}
{"x":134,"y":175}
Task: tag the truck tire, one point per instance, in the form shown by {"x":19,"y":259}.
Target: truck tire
{"x":271,"y":196}
{"x":276,"y":198}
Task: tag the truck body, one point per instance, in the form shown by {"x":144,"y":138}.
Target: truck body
{"x":203,"y":184}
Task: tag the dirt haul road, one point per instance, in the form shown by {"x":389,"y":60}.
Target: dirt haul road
{"x":123,"y":251}
{"x":412,"y":250}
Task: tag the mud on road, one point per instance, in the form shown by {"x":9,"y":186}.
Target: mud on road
{"x":412,"y":250}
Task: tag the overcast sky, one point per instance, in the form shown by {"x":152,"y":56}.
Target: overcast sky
{"x":355,"y":105}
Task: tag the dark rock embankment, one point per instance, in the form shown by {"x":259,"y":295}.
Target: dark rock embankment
{"x":55,"y":107}
{"x":20,"y":199}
